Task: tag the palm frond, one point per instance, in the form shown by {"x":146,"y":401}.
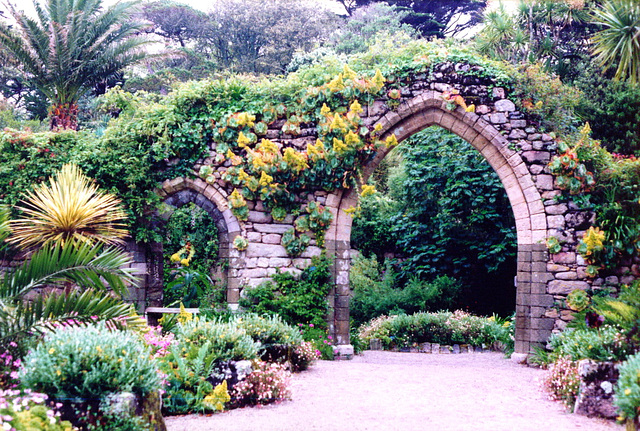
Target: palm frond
{"x":84,"y":265}
{"x":49,"y":312}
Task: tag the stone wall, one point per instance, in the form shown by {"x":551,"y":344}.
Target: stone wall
{"x":510,"y":141}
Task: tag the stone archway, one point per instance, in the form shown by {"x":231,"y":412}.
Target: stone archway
{"x":508,"y":138}
{"x":181,"y":191}
{"x":523,"y":188}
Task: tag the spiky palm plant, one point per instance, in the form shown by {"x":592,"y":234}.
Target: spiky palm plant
{"x":25,"y":312}
{"x":619,"y":41}
{"x":69,"y":47}
{"x":68,"y":209}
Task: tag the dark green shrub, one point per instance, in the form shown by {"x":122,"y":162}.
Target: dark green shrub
{"x":442,"y":327}
{"x":296,"y":300}
{"x":376,"y":293}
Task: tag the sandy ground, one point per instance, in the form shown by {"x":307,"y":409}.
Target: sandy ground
{"x":407,"y":391}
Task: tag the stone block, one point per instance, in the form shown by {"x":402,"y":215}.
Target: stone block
{"x":556,"y":222}
{"x":569,"y":275}
{"x":271,"y":238}
{"x":497,"y":118}
{"x":266,"y":250}
{"x":311,"y":251}
{"x":545,"y":182}
{"x":254,"y":237}
{"x":564,"y":257}
{"x":259,"y":217}
{"x":504,"y":105}
{"x":517,"y":133}
{"x":261,"y":262}
{"x":556,"y":209}
{"x":279,"y":262}
{"x":564,"y":287}
{"x":536,"y":156}
{"x":271,"y":228}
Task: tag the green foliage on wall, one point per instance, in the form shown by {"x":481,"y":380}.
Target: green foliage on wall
{"x":301,"y":299}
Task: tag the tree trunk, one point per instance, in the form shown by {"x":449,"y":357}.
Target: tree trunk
{"x":64,"y":116}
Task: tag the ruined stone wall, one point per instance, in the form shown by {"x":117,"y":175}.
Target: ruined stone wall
{"x":510,"y":141}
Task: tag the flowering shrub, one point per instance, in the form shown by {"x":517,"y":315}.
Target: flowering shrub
{"x":266,"y":384}
{"x":321,"y":341}
{"x":606,"y":343}
{"x":268,"y":330}
{"x":222,"y":341}
{"x":28,"y":411}
{"x":90,"y":362}
{"x":159,"y":343}
{"x":9,"y":365}
{"x":199,"y":347}
{"x":444,"y":327}
{"x":303,"y":355}
{"x":562,"y":381}
{"x":627,"y":390}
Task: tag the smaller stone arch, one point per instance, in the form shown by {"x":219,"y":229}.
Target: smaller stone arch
{"x":181,"y":191}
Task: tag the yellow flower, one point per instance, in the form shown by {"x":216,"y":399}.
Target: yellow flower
{"x":242,"y":175}
{"x":296,"y":160}
{"x":367,"y":190}
{"x":325,"y":110}
{"x":336,"y":84}
{"x":378,"y":80}
{"x":348,"y":73}
{"x":316,"y":151}
{"x":58,"y":372}
{"x":351,"y":211}
{"x":594,"y":240}
{"x":338,"y":146}
{"x":391,"y":141}
{"x":52,"y":351}
{"x":184,"y":262}
{"x":268,"y":147}
{"x":338,"y":124}
{"x":236,"y":199}
{"x":627,"y":391}
{"x":265,"y":179}
{"x":245,"y":119}
{"x":352,"y":140}
{"x":243,"y":141}
{"x":377,"y":127}
{"x":356,"y":107}
{"x":184,"y":316}
{"x":175,"y":257}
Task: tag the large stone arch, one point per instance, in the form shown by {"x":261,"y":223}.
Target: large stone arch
{"x":533,"y":327}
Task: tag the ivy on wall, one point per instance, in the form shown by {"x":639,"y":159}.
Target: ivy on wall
{"x":154,"y":139}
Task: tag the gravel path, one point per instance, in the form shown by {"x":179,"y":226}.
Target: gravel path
{"x":406,"y":391}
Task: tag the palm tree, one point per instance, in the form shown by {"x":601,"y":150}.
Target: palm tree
{"x":619,"y":41}
{"x":68,"y":209}
{"x":70,"y":47}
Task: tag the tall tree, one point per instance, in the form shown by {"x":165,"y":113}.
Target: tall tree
{"x":619,"y":41}
{"x":69,"y":48}
{"x":434,"y":18}
{"x":262,"y":36}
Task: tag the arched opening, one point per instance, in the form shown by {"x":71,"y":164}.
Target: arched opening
{"x":438,"y":234}
{"x":428,"y":109}
{"x":180,"y":195}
